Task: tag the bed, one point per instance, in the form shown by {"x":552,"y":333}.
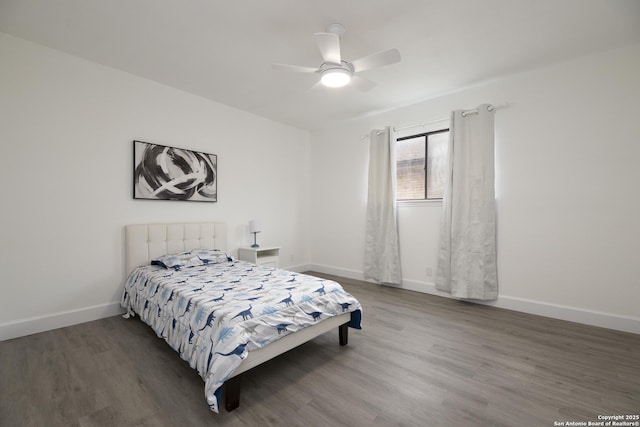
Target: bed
{"x":225,"y":316}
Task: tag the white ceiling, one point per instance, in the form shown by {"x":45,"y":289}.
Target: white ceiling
{"x":223,"y":50}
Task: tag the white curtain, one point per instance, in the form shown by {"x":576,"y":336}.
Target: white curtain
{"x":382,"y":250}
{"x":467,"y":264}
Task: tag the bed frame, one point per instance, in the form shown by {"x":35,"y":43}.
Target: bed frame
{"x":144,"y":242}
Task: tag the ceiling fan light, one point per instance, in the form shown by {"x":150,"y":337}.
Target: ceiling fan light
{"x":335,"y":78}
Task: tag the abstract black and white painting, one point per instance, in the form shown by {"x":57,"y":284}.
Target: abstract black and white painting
{"x":169,"y":173}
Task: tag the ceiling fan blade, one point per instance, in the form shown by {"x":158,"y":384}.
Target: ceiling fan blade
{"x":386,"y":57}
{"x":296,"y":68}
{"x":316,"y":87}
{"x":329,"y":45}
{"x":362,"y":84}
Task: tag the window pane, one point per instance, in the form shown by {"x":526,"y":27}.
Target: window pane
{"x":410,"y":164}
{"x":437,"y":164}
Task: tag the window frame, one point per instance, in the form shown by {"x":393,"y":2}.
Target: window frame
{"x":426,"y":153}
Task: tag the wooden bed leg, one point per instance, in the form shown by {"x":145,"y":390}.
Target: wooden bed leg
{"x":232,"y":393}
{"x":343,"y":332}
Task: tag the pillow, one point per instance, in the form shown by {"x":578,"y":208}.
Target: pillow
{"x":192,"y":258}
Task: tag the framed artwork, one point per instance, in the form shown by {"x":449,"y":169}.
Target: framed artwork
{"x":169,"y":173}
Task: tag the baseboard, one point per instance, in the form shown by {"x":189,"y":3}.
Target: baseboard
{"x":298,"y":268}
{"x":556,"y":311}
{"x":34,"y":325}
{"x":336,"y":271}
{"x":571,"y":314}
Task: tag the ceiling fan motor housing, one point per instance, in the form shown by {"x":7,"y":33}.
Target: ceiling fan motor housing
{"x":344,"y":65}
{"x":337,"y":29}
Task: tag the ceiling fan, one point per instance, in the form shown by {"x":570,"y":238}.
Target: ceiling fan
{"x":334,"y":71}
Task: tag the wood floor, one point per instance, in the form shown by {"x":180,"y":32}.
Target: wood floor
{"x":420,"y":360}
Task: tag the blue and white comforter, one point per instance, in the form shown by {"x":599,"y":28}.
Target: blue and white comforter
{"x":214,"y":315}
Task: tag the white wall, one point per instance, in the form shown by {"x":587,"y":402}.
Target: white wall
{"x":567,"y":185}
{"x":567,"y":188}
{"x":66,"y":129}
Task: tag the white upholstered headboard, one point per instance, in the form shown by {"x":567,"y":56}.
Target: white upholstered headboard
{"x":145,"y":242}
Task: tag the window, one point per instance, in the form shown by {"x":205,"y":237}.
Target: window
{"x":422,"y":165}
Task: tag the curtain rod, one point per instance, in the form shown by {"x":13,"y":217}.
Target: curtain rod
{"x":395,"y":129}
{"x":464,"y":114}
{"x":475,"y":110}
{"x":421,"y":124}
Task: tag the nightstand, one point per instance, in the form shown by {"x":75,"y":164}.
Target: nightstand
{"x":261,"y":256}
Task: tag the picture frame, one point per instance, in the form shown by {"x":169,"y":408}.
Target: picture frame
{"x":163,"y":172}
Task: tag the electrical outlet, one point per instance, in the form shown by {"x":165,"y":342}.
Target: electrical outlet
{"x":429,"y":271}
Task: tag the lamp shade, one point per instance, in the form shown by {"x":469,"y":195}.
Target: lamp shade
{"x":254,"y":226}
{"x":335,"y":77}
